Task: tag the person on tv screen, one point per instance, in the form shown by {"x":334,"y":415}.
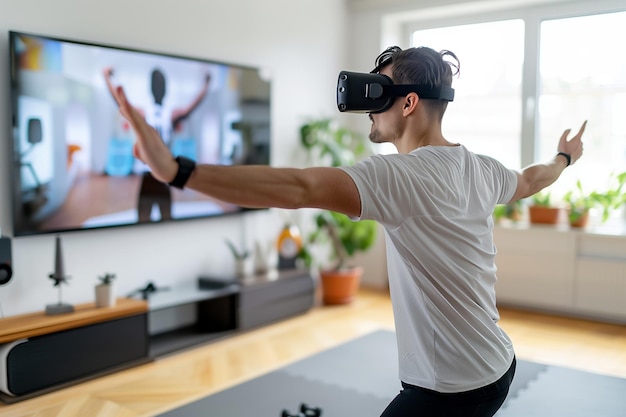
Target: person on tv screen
{"x":435,"y":200}
{"x":165,"y":120}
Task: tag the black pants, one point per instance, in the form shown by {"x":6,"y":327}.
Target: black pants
{"x":151,"y":192}
{"x":420,"y":402}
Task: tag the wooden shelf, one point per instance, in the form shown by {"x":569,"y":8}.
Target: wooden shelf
{"x":37,"y":324}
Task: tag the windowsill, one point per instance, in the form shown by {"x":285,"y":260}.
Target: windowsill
{"x":613,"y":227}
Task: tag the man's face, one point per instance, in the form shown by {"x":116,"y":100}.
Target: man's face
{"x":387,"y":126}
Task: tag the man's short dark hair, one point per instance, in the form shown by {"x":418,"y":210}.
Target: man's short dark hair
{"x":421,"y":65}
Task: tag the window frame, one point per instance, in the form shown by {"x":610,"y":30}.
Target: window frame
{"x":532,"y":15}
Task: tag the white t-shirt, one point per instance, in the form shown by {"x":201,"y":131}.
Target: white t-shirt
{"x":436,"y":204}
{"x":160,"y":118}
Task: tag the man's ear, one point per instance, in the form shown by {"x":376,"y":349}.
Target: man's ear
{"x":410,"y":103}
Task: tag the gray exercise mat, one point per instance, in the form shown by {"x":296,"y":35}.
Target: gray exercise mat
{"x":358,"y":386}
{"x":372,"y":368}
{"x":270,"y":394}
{"x":564,"y":392}
{"x":360,"y":377}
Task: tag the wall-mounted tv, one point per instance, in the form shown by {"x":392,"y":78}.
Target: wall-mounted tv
{"x":73,"y":166}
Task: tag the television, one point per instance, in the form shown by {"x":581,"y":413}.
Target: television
{"x":73,"y":165}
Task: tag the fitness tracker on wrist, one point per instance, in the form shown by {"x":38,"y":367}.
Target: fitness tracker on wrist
{"x":567,"y":156}
{"x":185,"y":167}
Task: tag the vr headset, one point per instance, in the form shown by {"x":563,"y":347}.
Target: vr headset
{"x":375,"y":93}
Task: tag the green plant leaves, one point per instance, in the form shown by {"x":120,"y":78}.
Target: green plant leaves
{"x":327,"y":141}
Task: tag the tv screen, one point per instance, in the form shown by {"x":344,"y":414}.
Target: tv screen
{"x":73,"y":165}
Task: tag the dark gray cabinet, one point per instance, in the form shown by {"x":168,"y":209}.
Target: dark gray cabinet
{"x":215,"y":307}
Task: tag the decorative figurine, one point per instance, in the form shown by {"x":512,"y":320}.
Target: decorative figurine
{"x":148,"y":290}
{"x":59,"y":279}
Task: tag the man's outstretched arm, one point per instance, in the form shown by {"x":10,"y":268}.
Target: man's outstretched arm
{"x":536,"y":177}
{"x":247,"y":185}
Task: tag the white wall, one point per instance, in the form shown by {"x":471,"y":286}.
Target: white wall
{"x":302,"y":43}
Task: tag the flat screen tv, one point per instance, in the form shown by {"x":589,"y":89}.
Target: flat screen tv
{"x":73,"y":166}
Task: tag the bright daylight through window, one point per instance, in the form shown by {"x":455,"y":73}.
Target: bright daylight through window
{"x":581,"y":75}
{"x":486,"y":113}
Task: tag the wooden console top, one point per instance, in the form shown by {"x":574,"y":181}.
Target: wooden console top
{"x":37,"y":324}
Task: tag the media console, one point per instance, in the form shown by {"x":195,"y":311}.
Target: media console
{"x":40,"y":353}
{"x":215,"y":307}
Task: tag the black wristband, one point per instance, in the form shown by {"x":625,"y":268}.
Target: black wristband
{"x":185,"y":168}
{"x":567,"y":156}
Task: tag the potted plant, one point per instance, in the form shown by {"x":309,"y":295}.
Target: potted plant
{"x":243,"y":260}
{"x":580,"y":203}
{"x":331,"y":144}
{"x":542,"y":210}
{"x":105,"y":291}
{"x":339,"y":279}
{"x":334,"y":145}
{"x":513,"y":212}
{"x":578,"y":206}
{"x":614,"y":197}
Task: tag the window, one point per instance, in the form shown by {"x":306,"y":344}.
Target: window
{"x":566,"y":59}
{"x":583,"y":76}
{"x":485,"y":116}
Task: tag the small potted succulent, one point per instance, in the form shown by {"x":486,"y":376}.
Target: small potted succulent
{"x":105,"y":291}
{"x":243,"y":260}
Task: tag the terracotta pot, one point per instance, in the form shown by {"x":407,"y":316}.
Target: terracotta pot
{"x":544,"y":215}
{"x":340,"y":287}
{"x":582,"y":221}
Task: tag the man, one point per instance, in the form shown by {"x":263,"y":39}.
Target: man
{"x":435,"y":200}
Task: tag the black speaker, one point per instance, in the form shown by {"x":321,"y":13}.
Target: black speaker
{"x":41,"y":362}
{"x":6,"y":272}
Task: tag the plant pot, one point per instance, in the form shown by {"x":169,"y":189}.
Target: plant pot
{"x":340,"y":286}
{"x":516,"y":215}
{"x":581,"y":221}
{"x":544,"y":215}
{"x":105,"y":295}
{"x":244,"y":267}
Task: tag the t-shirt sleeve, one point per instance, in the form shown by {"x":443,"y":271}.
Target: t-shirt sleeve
{"x":508,"y":179}
{"x":376,"y":182}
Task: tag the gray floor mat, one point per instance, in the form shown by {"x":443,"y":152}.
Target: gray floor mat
{"x":564,"y":392}
{"x":360,"y":377}
{"x":269,"y":395}
{"x":372,"y":367}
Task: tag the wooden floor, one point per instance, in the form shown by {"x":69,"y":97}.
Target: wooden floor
{"x":159,"y":386}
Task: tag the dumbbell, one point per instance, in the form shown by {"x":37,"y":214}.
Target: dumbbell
{"x":310,"y":411}
{"x":305,"y":411}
